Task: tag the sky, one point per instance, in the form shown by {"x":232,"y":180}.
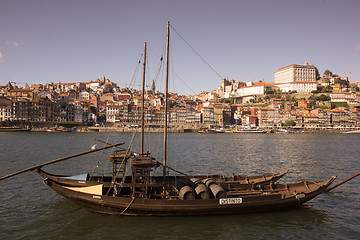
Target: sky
{"x":45,"y":41}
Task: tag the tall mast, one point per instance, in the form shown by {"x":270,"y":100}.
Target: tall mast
{"x":143,"y":102}
{"x":166,"y":105}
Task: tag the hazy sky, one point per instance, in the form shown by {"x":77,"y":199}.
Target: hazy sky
{"x":80,"y":40}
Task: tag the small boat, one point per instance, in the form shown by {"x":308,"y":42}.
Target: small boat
{"x":248,"y":130}
{"x":58,"y":129}
{"x":14,"y":129}
{"x":207,"y":130}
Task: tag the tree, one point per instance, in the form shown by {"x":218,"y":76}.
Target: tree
{"x":317,"y":73}
{"x":326,"y":89}
{"x":322,"y":98}
{"x":226,"y":100}
{"x":339,"y":104}
{"x":328,"y":73}
{"x":269,"y":91}
{"x":290,"y":123}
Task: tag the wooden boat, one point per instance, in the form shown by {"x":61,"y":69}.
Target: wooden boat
{"x":273,"y":197}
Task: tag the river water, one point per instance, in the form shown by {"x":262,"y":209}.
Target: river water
{"x":31,"y":210}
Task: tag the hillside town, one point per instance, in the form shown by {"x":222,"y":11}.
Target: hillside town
{"x":298,"y":98}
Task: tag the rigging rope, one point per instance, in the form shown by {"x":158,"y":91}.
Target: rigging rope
{"x":159,"y":67}
{"x":97,"y":164}
{"x":135,"y":72}
{"x":106,"y":165}
{"x":196,"y":52}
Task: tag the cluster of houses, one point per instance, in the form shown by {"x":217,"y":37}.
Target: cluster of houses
{"x":103,"y":102}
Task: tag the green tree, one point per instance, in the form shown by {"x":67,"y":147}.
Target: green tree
{"x":328,"y":73}
{"x":226,"y":100}
{"x":322,"y":98}
{"x":290,"y":123}
{"x":269,"y":92}
{"x":317,"y":73}
{"x":339,"y":104}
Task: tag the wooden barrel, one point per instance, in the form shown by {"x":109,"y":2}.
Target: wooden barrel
{"x":218,"y":191}
{"x":195,"y":181}
{"x":208,"y":181}
{"x":182,"y":182}
{"x":186,"y":193}
{"x":202,"y":191}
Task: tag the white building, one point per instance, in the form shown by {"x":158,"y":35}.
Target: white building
{"x":299,"y":86}
{"x":84,"y":95}
{"x":294,"y":73}
{"x":300,"y":78}
{"x":251,"y":89}
{"x":350,"y":98}
{"x":112,"y":111}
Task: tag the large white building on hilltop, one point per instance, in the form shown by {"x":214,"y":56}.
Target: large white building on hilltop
{"x":300,"y":78}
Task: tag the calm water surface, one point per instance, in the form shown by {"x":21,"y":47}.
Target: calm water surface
{"x":31,"y":210}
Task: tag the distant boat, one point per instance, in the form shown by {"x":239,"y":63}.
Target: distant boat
{"x":206,"y":130}
{"x":14,"y":129}
{"x":58,"y":129}
{"x":249,"y":130}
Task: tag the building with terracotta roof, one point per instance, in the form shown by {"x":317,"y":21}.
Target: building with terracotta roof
{"x":257,"y":88}
{"x":343,"y":97}
{"x":20,"y":93}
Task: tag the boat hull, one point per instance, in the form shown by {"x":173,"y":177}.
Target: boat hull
{"x":243,"y":203}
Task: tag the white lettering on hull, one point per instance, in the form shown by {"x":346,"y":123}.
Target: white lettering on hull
{"x":230,"y":200}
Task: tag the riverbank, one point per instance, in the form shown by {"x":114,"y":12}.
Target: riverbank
{"x":184,"y":130}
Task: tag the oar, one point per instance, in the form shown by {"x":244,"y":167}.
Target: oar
{"x":156,"y":161}
{"x":341,"y":183}
{"x":60,"y":159}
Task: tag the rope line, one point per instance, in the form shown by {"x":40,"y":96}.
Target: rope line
{"x":132,"y":200}
{"x":196,"y":53}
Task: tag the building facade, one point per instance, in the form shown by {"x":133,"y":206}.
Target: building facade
{"x":300,"y":78}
